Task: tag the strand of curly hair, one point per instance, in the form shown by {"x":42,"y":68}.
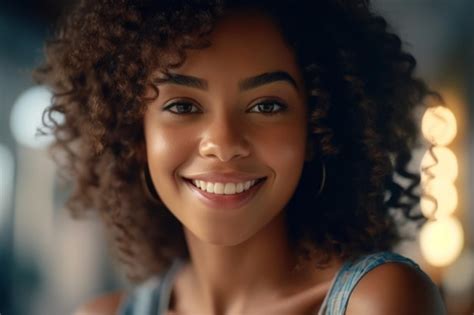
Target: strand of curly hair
{"x":362,"y":93}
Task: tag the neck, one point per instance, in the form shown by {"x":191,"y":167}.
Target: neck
{"x":228,"y":279}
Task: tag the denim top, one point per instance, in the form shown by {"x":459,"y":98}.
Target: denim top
{"x":152,"y":297}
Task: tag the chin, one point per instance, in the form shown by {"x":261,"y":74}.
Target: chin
{"x":221,"y":237}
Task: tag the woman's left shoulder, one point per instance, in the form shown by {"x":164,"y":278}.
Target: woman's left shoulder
{"x":395,"y":287}
{"x":106,"y":304}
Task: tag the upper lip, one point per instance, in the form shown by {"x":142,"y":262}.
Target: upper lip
{"x":229,"y":177}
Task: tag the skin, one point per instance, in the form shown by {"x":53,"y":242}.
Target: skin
{"x":224,"y":135}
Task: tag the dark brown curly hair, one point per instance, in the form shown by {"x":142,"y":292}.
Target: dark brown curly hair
{"x":362,"y":98}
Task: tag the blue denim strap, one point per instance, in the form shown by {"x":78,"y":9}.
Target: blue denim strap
{"x":350,"y":274}
{"x":164,"y":294}
{"x":141,"y":299}
{"x":151,"y":297}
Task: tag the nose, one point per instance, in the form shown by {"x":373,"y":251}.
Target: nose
{"x":224,"y":139}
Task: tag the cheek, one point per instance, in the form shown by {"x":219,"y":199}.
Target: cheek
{"x":283,"y":149}
{"x":165,"y":152}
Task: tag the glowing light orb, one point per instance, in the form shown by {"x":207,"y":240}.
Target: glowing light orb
{"x":439,"y":125}
{"x":445,"y":168}
{"x":445,"y":194}
{"x":441,"y":241}
{"x":26,"y":117}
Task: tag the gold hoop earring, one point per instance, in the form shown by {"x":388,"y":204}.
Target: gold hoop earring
{"x":148,"y":187}
{"x":323,"y":178}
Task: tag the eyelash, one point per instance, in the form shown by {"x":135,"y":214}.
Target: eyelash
{"x":271,"y":102}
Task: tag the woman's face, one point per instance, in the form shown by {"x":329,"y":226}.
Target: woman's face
{"x":220,"y":125}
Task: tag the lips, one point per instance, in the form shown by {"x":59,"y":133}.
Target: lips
{"x":224,"y":177}
{"x":223,"y":202}
{"x":229,"y":188}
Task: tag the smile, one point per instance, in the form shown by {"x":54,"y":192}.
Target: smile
{"x":224,"y":196}
{"x":225,"y":188}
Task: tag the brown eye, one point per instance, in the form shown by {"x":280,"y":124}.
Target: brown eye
{"x":182,"y":108}
{"x":268,"y":108}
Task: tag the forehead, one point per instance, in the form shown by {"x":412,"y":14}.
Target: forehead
{"x":242,"y":44}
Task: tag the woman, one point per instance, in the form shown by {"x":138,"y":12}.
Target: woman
{"x":242,"y":154}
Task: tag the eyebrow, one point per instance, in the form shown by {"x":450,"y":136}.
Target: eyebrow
{"x":244,"y":85}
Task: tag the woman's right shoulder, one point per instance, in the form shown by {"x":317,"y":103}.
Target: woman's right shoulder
{"x":107,"y":304}
{"x":116,"y":302}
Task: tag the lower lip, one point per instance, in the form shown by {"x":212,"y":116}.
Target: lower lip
{"x":225,"y":201}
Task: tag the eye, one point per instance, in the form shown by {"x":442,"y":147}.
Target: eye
{"x":267,"y":106}
{"x":182,"y":107}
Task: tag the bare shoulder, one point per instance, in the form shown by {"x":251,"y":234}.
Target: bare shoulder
{"x":395,"y":288}
{"x":107,"y":304}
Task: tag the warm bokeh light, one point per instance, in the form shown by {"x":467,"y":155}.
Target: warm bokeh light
{"x":445,"y":194}
{"x":439,"y":125}
{"x":441,"y":241}
{"x":446,"y":166}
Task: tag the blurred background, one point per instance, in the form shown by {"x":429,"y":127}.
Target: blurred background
{"x":50,"y":263}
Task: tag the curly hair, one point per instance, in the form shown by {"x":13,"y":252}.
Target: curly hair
{"x":362,"y":96}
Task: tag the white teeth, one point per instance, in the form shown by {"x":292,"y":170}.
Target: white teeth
{"x":224,"y":188}
{"x":247,"y":185}
{"x":230,"y":189}
{"x":240,"y":187}
{"x":218,"y":188}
